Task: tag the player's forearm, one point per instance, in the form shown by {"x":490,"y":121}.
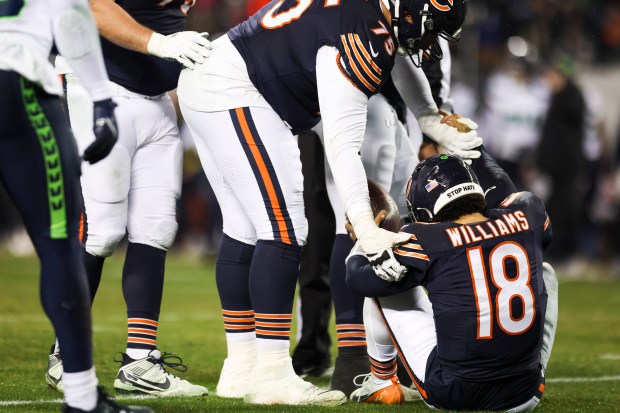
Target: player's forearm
{"x":117,"y":26}
{"x":492,"y":179}
{"x":413,"y":86}
{"x":438,"y":74}
{"x":343,"y":109}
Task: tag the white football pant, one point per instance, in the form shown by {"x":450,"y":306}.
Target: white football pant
{"x":252,"y":162}
{"x":135,"y":188}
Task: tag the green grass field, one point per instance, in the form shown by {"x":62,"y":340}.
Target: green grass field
{"x":583,"y":375}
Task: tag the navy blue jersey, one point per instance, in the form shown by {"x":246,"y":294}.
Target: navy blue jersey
{"x":485,"y":283}
{"x":138,"y":72}
{"x":280,"y":42}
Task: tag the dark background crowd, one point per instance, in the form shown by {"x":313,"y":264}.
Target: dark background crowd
{"x":541,"y":77}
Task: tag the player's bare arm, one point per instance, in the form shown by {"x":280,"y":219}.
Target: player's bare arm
{"x":117,"y":26}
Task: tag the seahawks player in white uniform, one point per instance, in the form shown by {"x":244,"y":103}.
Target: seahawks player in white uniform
{"x":40,"y":167}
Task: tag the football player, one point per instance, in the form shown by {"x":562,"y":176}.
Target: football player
{"x":136,"y":188}
{"x":388,"y":156}
{"x":274,"y":75}
{"x":482,"y":337}
{"x":40,"y":167}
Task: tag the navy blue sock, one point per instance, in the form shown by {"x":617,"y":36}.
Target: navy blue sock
{"x":143,"y":284}
{"x":347,"y":306}
{"x":273,"y":277}
{"x":94,"y":268}
{"x":232,"y":275}
{"x":64,"y":296}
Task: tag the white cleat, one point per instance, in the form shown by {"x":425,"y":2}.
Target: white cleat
{"x":53,"y":374}
{"x":235,"y":377}
{"x":148,"y":376}
{"x":275,"y":382}
{"x":390,"y":392}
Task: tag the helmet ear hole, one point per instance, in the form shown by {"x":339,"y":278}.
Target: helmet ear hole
{"x":423,"y":215}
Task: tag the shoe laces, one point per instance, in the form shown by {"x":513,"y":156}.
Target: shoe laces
{"x":365,"y":378}
{"x":171,"y":360}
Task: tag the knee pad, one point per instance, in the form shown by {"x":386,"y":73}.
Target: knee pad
{"x":158,"y":233}
{"x":103,"y":244}
{"x":108,"y":180}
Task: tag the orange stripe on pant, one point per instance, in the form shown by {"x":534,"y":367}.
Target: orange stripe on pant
{"x":264,"y":173}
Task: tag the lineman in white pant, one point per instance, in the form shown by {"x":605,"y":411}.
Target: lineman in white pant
{"x":136,"y":189}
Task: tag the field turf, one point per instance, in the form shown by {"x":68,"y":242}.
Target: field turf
{"x":583,"y":375}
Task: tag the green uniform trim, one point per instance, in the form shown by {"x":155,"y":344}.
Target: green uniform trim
{"x":51,"y":158}
{"x":11,"y":9}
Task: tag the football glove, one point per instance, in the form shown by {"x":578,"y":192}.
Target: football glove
{"x":373,"y":239}
{"x":188,"y":48}
{"x":386,"y":266}
{"x":105,"y":130}
{"x":455,"y":134}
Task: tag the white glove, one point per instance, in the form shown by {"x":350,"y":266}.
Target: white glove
{"x":454,"y":142}
{"x":386,"y":266}
{"x":188,"y":48}
{"x":372,"y":238}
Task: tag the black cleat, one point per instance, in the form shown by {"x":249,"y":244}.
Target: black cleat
{"x":107,"y":405}
{"x":350,"y":363}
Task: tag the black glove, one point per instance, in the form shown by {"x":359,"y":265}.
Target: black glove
{"x":105,"y":129}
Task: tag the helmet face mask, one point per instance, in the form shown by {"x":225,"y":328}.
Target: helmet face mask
{"x":418,"y":27}
{"x":435,"y":183}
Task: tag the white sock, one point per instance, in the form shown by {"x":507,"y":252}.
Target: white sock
{"x":380,"y":382}
{"x":56,"y":346}
{"x":137,"y":353}
{"x":267,"y":354}
{"x":265,"y":343}
{"x":81,"y":389}
{"x":241,"y":348}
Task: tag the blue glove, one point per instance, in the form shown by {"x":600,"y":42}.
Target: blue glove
{"x":105,"y":129}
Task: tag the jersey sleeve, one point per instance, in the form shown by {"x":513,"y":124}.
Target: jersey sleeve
{"x":494,"y":181}
{"x":411,"y":254}
{"x":367,"y":53}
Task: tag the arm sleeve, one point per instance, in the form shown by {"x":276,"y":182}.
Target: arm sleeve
{"x":343,"y":111}
{"x":77,"y":39}
{"x":495,"y":182}
{"x":362,"y":280}
{"x":438,"y":74}
{"x":413,"y":86}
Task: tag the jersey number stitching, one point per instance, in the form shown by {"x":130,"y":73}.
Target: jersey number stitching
{"x":274,"y":21}
{"x":509,"y":289}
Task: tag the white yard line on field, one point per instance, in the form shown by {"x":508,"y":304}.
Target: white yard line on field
{"x":123,"y":398}
{"x":581,"y":379}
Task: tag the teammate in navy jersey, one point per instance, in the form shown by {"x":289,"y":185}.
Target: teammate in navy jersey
{"x":136,"y":188}
{"x":274,"y":75}
{"x":482,"y":337}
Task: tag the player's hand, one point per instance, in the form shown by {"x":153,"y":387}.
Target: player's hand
{"x":386,"y":266}
{"x":188,"y":48}
{"x":105,"y":129}
{"x":378,"y":220}
{"x":373,"y":239}
{"x":457,"y":135}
